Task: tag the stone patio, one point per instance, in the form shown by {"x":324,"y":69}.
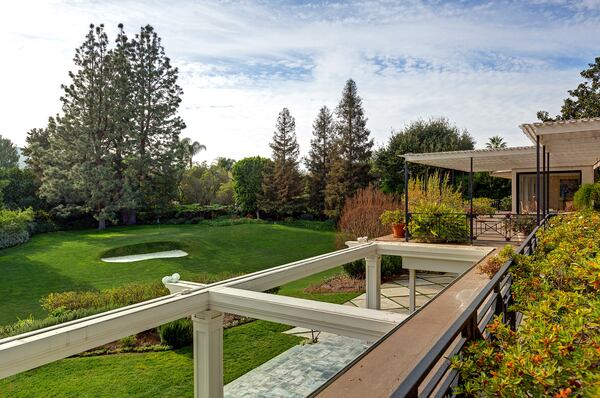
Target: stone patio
{"x":394,"y":294}
{"x":303,"y":368}
{"x":298,"y":371}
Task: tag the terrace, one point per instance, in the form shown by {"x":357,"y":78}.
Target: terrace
{"x":408,"y":349}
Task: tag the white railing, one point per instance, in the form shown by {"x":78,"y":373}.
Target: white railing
{"x":242,"y":296}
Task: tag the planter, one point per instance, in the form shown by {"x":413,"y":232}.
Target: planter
{"x":398,"y":230}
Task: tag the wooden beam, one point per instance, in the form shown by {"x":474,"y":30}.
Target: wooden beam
{"x":361,"y":323}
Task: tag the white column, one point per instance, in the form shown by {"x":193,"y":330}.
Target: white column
{"x":412,"y":283}
{"x":208,"y":354}
{"x":373,"y":272}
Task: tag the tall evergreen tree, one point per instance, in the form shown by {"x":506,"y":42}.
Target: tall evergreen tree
{"x":283,"y":183}
{"x":319,"y":158}
{"x":79,"y":166}
{"x":9,"y":157}
{"x":159,"y":158}
{"x":352,"y":162}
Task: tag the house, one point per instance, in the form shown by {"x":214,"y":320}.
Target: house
{"x":563,"y":156}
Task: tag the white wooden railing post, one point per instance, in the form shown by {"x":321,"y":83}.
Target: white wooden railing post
{"x":208,"y":354}
{"x":373,"y":271}
{"x":412,"y":284}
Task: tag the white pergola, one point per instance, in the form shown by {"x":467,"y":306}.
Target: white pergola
{"x":564,"y":144}
{"x":242,"y":296}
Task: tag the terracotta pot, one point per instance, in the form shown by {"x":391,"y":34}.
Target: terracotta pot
{"x":398,"y":230}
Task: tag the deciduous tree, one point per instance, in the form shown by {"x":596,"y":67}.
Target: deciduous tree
{"x":9,"y":157}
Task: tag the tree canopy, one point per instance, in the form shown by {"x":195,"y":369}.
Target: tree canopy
{"x":247,"y":181}
{"x":433,"y":135}
{"x":9,"y":157}
{"x":584,"y":100}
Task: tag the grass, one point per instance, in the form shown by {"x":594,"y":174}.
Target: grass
{"x":296,"y":288}
{"x":164,"y":374}
{"x":70,"y":260}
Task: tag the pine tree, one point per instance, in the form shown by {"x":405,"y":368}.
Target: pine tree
{"x":319,"y":158}
{"x":79,"y":164}
{"x":159,"y":157}
{"x":352,"y":162}
{"x":283,"y":183}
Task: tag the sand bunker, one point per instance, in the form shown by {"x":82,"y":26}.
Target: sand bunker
{"x":146,"y":256}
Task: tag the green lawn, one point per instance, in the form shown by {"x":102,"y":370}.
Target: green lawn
{"x":157,"y":374}
{"x":70,"y":260}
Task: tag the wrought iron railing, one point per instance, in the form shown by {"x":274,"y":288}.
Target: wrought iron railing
{"x":464,"y":227}
{"x":433,"y":376}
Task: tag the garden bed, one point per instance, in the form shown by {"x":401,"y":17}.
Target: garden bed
{"x":556,"y":349}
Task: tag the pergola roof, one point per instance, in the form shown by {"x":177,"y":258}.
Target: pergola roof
{"x":492,"y":160}
{"x":569,"y":142}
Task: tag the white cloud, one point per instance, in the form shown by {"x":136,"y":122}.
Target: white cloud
{"x":487,"y":67}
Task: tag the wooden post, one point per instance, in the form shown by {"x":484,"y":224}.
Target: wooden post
{"x":208,"y":354}
{"x":373,"y":272}
{"x":406,"y":215}
{"x":412,"y":284}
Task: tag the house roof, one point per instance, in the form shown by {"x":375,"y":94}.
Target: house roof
{"x":570,"y":143}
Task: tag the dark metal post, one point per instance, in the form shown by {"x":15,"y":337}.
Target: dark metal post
{"x":471,"y":201}
{"x":537,"y":179}
{"x":406,"y":215}
{"x":544,"y":181}
{"x":548,"y":183}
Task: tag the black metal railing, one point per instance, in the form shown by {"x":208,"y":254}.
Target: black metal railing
{"x":494,"y":299}
{"x":464,"y":227}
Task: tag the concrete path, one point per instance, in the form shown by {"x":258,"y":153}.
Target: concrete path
{"x":298,"y":371}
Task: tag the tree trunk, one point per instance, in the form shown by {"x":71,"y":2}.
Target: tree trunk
{"x":257,"y":214}
{"x":102,"y":224}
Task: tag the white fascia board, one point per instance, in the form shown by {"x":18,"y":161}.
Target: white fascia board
{"x":24,"y":352}
{"x":433,"y":251}
{"x":361,"y":323}
{"x":281,"y":275}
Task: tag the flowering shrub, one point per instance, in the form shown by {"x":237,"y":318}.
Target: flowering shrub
{"x":493,"y":264}
{"x":556,"y":350}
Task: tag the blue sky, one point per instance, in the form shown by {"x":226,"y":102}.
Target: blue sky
{"x":487,"y":66}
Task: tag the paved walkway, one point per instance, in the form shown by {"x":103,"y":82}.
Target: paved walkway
{"x":394,"y":295}
{"x":298,"y":371}
{"x":303,"y":368}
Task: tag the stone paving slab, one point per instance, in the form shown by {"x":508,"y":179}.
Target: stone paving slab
{"x":298,"y":371}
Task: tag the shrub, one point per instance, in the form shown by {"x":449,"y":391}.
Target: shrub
{"x":587,"y":197}
{"x":390,"y":266}
{"x":506,"y":203}
{"x":177,"y":334}
{"x":360,"y":214}
{"x":555,"y":351}
{"x":114,"y":297}
{"x":14,"y":226}
{"x":390,"y":217}
{"x":433,"y":222}
{"x":493,"y":264}
{"x":437,"y":213}
{"x":482,"y":206}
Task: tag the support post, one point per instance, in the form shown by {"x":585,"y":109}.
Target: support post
{"x":412,"y":284}
{"x":543,"y":181}
{"x":548,"y":182}
{"x":373,"y":271}
{"x":208,"y":354}
{"x":406,"y":215}
{"x":537,"y":180}
{"x":471,"y":202}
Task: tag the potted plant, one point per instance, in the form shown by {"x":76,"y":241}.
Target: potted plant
{"x":395,"y":218}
